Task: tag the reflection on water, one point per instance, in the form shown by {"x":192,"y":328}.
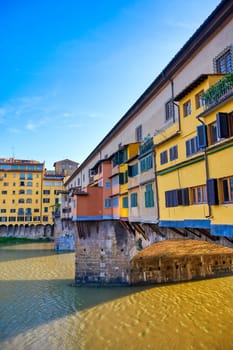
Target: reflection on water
{"x":40,"y":309}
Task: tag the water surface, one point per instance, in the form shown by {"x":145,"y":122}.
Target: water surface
{"x":41,"y":310}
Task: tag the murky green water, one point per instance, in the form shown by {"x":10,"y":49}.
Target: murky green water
{"x":40,"y":310}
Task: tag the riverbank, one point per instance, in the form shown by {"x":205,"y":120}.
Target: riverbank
{"x":18,"y":240}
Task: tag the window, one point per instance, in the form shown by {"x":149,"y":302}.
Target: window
{"x":36,"y":218}
{"x":28,"y":211}
{"x":146,"y":163}
{"x":46,"y":191}
{"x":3,"y":210}
{"x":199,"y":100}
{"x":213,"y":133}
{"x":115,"y":180}
{"x":227,"y":189}
{"x":20,"y":211}
{"x":46,"y":200}
{"x":224,"y":125}
{"x":173,"y":152}
{"x":187,"y":108}
{"x":12,"y":218}
{"x":169,"y":111}
{"x":5,"y":184}
{"x":21,"y":183}
{"x":4,"y":192}
{"x":36,"y":210}
{"x":138,"y":133}
{"x":29,"y":177}
{"x":29,"y":192}
{"x":21,"y":200}
{"x":22,"y":176}
{"x":115,"y":202}
{"x":134,"y":199}
{"x":133,"y":170}
{"x":199,"y":194}
{"x":191,"y":146}
{"x":107,"y":203}
{"x":21,"y":191}
{"x":46,"y":209}
{"x":29,"y":200}
{"x":163,"y":157}
{"x":119,"y":157}
{"x":174,"y":198}
{"x":125,"y":202}
{"x":12,"y":210}
{"x":223,"y":62}
{"x":123,"y":178}
{"x":149,"y":196}
{"x":107,"y":185}
{"x":29,"y":183}
{"x":45,"y":218}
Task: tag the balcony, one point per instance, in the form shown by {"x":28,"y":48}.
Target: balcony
{"x":218,"y":92}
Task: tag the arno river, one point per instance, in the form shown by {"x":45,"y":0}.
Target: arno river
{"x":41,"y":310}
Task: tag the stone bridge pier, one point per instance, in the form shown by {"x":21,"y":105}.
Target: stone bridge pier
{"x":103,"y":253}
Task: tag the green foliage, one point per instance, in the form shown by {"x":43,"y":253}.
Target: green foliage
{"x":218,"y":91}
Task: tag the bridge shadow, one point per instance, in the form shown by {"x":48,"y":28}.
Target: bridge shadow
{"x":25,"y":305}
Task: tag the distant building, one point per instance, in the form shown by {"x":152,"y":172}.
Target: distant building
{"x":29,"y":196}
{"x":65,"y":167}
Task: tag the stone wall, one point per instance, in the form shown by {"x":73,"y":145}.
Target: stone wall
{"x":27,"y":231}
{"x":102,"y":253}
{"x":180,"y":260}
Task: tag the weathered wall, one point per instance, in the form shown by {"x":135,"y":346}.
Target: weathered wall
{"x":102,"y":253}
{"x":160,"y":267}
{"x":27,"y":231}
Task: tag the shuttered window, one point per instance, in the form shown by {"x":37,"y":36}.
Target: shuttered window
{"x":191,"y":146}
{"x":173,"y":152}
{"x":134,"y":199}
{"x":212,"y":191}
{"x":163,"y":157}
{"x":174,"y":198}
{"x":125,"y":202}
{"x":201,"y":136}
{"x":227,"y":189}
{"x":149,"y":196}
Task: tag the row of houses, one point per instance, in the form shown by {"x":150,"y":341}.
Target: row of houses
{"x":167,"y":163}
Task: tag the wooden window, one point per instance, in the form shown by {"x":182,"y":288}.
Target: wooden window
{"x":133,"y":170}
{"x":187,"y":108}
{"x":191,"y":146}
{"x":199,"y":194}
{"x":134,"y":199}
{"x":149,"y":196}
{"x":146,"y":163}
{"x":212,"y":130}
{"x":201,"y":136}
{"x":199,"y":100}
{"x":163,"y":157}
{"x":173,"y":152}
{"x":212,"y":191}
{"x":138,"y":133}
{"x":107,"y":203}
{"x":174,"y":198}
{"x":125,"y":202}
{"x":169,"y":111}
{"x":227,"y":189}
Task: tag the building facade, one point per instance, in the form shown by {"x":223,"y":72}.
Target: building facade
{"x":29,"y":198}
{"x":138,"y":200}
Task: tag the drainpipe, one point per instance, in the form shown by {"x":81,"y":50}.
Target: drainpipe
{"x":206,"y":173}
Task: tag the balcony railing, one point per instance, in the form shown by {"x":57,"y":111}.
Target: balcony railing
{"x":218,"y":92}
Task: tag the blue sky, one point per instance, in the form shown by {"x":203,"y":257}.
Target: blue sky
{"x":70,"y":69}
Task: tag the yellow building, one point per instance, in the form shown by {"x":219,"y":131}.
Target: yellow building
{"x":29,"y":198}
{"x":193,"y":157}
